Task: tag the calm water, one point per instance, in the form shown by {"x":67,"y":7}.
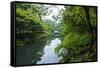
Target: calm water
{"x":49,"y":54}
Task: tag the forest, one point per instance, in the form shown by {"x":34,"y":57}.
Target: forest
{"x":68,"y":33}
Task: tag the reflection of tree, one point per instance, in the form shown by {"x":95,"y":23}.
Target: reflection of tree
{"x":31,"y":52}
{"x":30,"y":48}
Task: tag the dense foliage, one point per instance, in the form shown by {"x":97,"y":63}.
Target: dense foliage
{"x":78,"y":27}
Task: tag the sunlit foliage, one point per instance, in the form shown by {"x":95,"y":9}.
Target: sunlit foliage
{"x":78,"y":27}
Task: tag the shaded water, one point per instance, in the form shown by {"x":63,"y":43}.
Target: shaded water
{"x":49,"y":54}
{"x":37,"y":52}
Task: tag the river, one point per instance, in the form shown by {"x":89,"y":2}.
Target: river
{"x":49,"y":54}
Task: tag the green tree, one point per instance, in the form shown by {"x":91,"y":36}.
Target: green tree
{"x":78,"y":27}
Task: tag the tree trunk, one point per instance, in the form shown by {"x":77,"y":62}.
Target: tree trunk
{"x":86,"y":9}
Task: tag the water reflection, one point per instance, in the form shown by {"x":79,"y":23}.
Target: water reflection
{"x":32,"y":49}
{"x":49,"y":55}
{"x":29,"y":49}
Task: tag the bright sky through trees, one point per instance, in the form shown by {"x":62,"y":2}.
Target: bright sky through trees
{"x":55,"y":11}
